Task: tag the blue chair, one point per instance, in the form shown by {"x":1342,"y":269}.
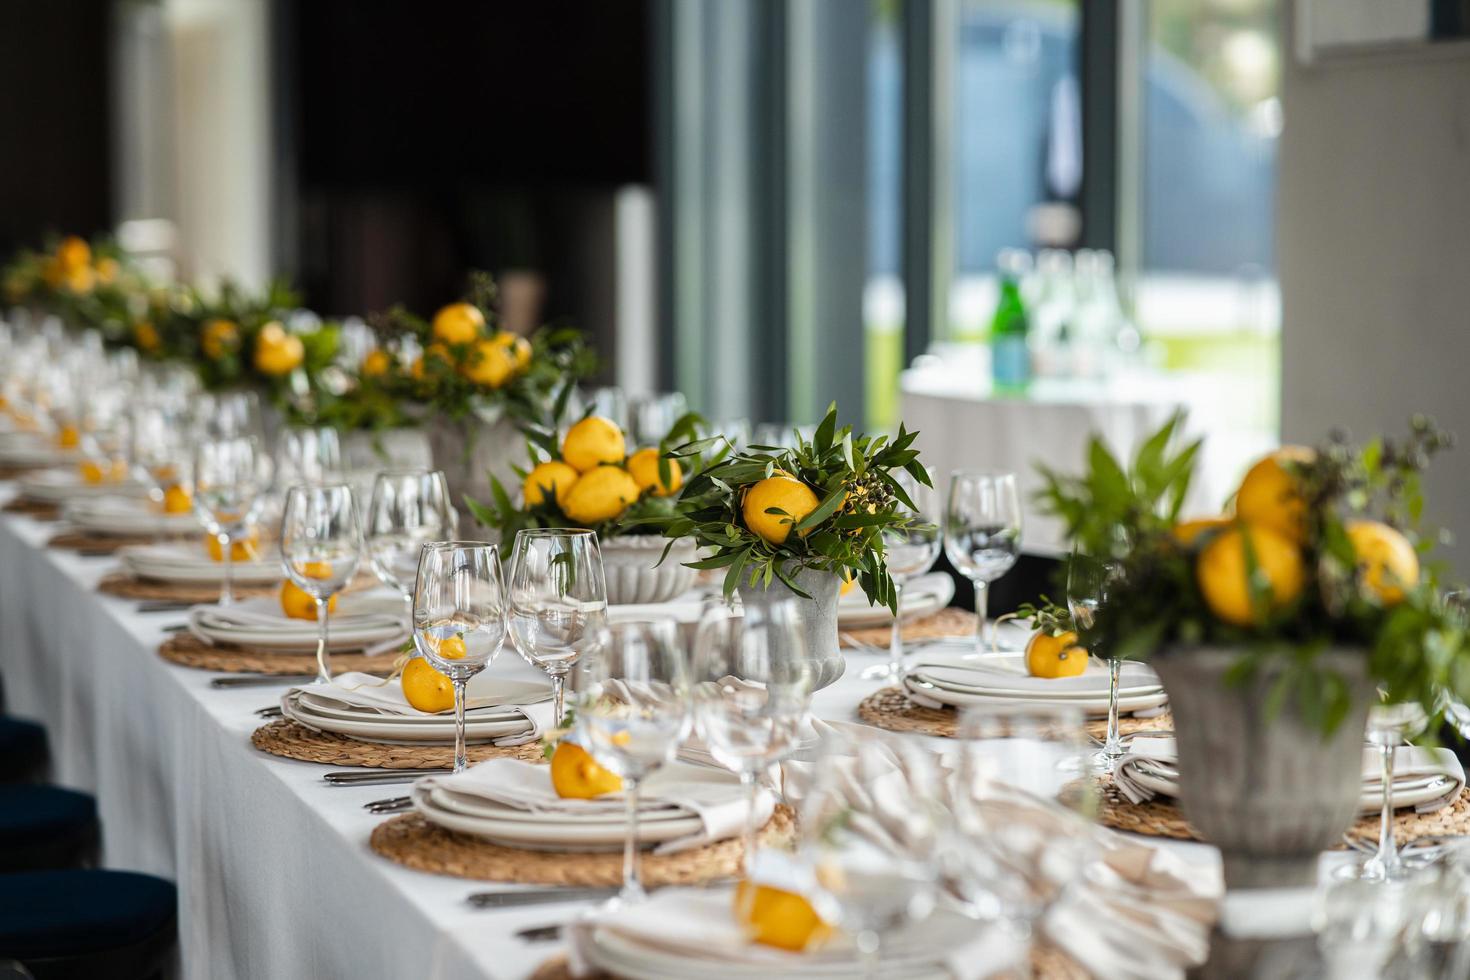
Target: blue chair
{"x":46,"y":827}
{"x":77,"y":925}
{"x":23,"y":751}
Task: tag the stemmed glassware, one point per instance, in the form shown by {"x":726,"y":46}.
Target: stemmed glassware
{"x":557,"y":600}
{"x":1088,"y":581}
{"x":408,"y":509}
{"x":230,"y":477}
{"x":982,"y":533}
{"x":753,"y":686}
{"x":459,"y":617}
{"x":632,"y":692}
{"x":309,"y":455}
{"x":228,"y":414}
{"x":160,"y":448}
{"x":1389,"y":726}
{"x":911,"y":552}
{"x":321,"y":546}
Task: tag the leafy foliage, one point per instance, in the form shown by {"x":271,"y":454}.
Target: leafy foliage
{"x":858,"y":498}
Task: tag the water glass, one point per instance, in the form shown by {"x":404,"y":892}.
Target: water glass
{"x":982,"y":533}
{"x":230,"y":478}
{"x":632,"y":694}
{"x":408,"y":509}
{"x":459,"y":617}
{"x":321,"y":546}
{"x":557,"y":600}
{"x":1390,"y":726}
{"x":911,"y":551}
{"x":753,"y":686}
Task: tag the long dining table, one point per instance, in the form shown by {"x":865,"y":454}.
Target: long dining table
{"x":275,"y":875}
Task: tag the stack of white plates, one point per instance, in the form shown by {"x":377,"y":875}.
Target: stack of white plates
{"x":922,"y":596}
{"x":376,"y":712}
{"x":28,"y":449}
{"x":128,"y":516}
{"x":961,"y":679}
{"x":503,"y":810}
{"x":372,"y":622}
{"x":190,"y":563}
{"x":60,"y":486}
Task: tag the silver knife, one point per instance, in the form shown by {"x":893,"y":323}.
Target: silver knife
{"x":260,"y":680}
{"x":540,"y":896}
{"x":381,"y":777}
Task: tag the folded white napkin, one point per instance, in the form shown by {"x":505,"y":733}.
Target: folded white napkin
{"x":714,"y":796}
{"x":699,"y":924}
{"x":353,"y":689}
{"x":362,"y":622}
{"x":1429,"y":779}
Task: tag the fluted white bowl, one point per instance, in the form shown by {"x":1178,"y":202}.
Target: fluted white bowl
{"x":634,"y":574}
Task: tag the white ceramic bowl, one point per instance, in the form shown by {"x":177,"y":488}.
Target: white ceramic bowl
{"x":634,"y":574}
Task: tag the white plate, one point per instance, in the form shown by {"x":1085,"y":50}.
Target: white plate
{"x":1406,"y":792}
{"x":481,"y":808}
{"x":1090,"y":706}
{"x":360,"y":622}
{"x":60,"y":486}
{"x":27,"y":453}
{"x":190,"y":563}
{"x":403,"y":729}
{"x":923,"y":596}
{"x":1006,"y":676}
{"x":128,"y":516}
{"x":531,"y":831}
{"x":328,"y":709}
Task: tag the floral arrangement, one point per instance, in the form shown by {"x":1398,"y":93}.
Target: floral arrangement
{"x":91,"y":283}
{"x":594,"y":483}
{"x":1324,"y":550}
{"x":767,"y":512}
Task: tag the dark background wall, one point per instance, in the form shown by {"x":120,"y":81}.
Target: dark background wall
{"x":54,"y":115}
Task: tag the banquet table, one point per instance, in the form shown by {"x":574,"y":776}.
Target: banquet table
{"x":274,"y":871}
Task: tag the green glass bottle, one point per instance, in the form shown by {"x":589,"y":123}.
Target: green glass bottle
{"x":1010,"y":351}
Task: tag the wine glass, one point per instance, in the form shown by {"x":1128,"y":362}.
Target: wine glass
{"x":459,"y":617}
{"x":557,"y":600}
{"x":321,"y":546}
{"x":872,"y":829}
{"x":1088,"y":582}
{"x":1022,"y":804}
{"x":1389,"y":726}
{"x":308,"y":455}
{"x":982,"y":533}
{"x":632,"y":693}
{"x":408,"y":509}
{"x":753,"y":688}
{"x":654,"y":415}
{"x":230,"y":477}
{"x":160,"y":448}
{"x":226,"y":414}
{"x":910,"y":551}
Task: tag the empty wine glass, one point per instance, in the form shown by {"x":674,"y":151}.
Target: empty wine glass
{"x":228,"y":414}
{"x":982,"y":533}
{"x":459,"y":617}
{"x":1390,"y":726}
{"x":557,"y":600}
{"x":230,"y":477}
{"x":1088,"y":582}
{"x":753,"y":689}
{"x":321,"y":546}
{"x":654,"y":415}
{"x":632,"y":690}
{"x":408,"y":509}
{"x":160,"y":448}
{"x":911,"y":551}
{"x":308,"y":455}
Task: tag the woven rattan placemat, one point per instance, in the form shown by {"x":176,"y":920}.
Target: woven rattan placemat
{"x":188,"y":650}
{"x":889,"y":708}
{"x":36,"y":509}
{"x":1163,"y":818}
{"x":937,"y":626}
{"x":292,"y":741}
{"x":99,"y":543}
{"x":416,"y":843}
{"x":126,"y":586}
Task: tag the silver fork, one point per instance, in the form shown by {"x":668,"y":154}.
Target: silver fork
{"x":393,"y":804}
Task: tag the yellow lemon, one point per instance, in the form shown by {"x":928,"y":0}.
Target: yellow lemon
{"x":1188,"y":533}
{"x":425,"y":688}
{"x":1221,"y":570}
{"x":600,"y":495}
{"x":437,"y":352}
{"x":107,"y":270}
{"x":776,"y":917}
{"x":458,"y":323}
{"x":94,"y":472}
{"x":1269,"y":495}
{"x":519,"y":348}
{"x":276,"y":351}
{"x":448,"y":648}
{"x":785,"y":493}
{"x":241,"y":549}
{"x":81,"y":279}
{"x":68,"y":437}
{"x":1055,"y":656}
{"x":145,"y":335}
{"x":643,"y":466}
{"x":73,"y":253}
{"x":376,"y":364}
{"x":1387,"y":560}
{"x":576,"y":775}
{"x":489,"y":364}
{"x":849,"y":582}
{"x":553,"y":477}
{"x":218,"y":337}
{"x":297,"y":604}
{"x":594,"y":441}
{"x":178,"y":500}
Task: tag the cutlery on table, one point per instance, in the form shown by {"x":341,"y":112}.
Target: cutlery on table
{"x":539,"y":934}
{"x":274,"y":711}
{"x":164,"y":605}
{"x":354,"y":777}
{"x":175,"y":627}
{"x":536,"y":896}
{"x":393,"y":804}
{"x":260,"y":680}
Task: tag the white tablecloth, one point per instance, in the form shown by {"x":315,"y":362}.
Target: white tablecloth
{"x":274,"y":872}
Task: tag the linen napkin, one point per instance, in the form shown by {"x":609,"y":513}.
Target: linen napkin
{"x":700,"y":924}
{"x":716,"y":798}
{"x":1431,"y":777}
{"x":353,"y":689}
{"x":363,"y":622}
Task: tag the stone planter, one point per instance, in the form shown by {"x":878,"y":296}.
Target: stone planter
{"x":388,"y":449}
{"x":469,"y":452}
{"x":819,"y":618}
{"x":1270,"y":794}
{"x":634,"y":573}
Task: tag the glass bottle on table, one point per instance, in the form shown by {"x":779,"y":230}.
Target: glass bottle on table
{"x":321,"y":547}
{"x":982,"y":533}
{"x":1010,"y":350}
{"x":910,"y":552}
